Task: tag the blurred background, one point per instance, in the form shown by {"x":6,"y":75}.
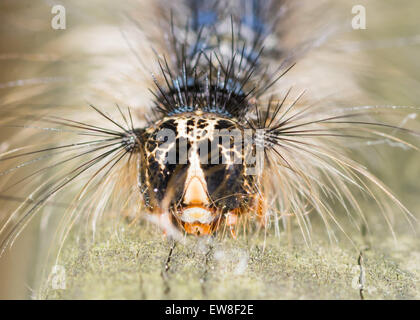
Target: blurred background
{"x":42,"y":68}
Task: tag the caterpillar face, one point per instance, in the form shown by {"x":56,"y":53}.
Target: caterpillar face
{"x":194,"y":166}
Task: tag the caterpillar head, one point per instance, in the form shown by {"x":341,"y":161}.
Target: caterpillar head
{"x":194,"y":167}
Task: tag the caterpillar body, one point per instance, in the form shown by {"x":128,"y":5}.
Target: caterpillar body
{"x":221,"y":144}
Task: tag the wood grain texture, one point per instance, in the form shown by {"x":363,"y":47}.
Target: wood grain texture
{"x":133,"y":263}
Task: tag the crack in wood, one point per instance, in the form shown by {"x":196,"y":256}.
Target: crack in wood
{"x":204,"y":278}
{"x":165,"y":272}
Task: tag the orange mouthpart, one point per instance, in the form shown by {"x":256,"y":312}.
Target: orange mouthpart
{"x":198,"y":229}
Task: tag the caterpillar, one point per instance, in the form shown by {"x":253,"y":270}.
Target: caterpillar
{"x":216,"y":140}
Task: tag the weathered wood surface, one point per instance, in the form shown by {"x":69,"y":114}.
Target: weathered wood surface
{"x":139,"y":263}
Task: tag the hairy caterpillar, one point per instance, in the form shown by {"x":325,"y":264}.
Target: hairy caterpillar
{"x":220,"y":66}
